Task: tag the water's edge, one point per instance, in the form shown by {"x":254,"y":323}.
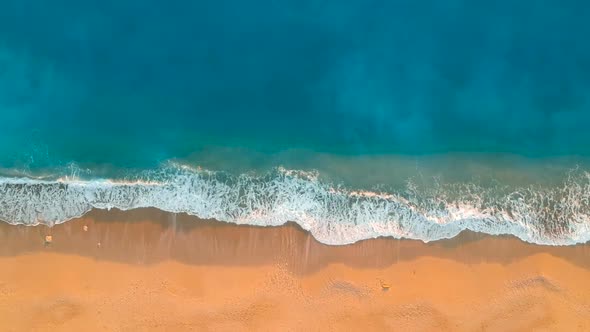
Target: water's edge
{"x":332,"y":213}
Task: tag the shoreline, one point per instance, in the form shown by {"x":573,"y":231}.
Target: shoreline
{"x":334,"y":214}
{"x":156,"y":271}
{"x":166,"y":236}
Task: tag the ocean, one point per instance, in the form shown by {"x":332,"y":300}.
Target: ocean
{"x":354,"y":119}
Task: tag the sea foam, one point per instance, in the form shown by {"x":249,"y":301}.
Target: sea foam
{"x":558,"y":215}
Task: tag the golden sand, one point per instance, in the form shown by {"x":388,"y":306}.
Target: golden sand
{"x":158,"y":272}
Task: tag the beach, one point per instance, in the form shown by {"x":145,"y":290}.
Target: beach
{"x":349,"y":165}
{"x":147,"y":270}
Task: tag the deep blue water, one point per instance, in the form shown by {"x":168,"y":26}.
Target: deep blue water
{"x":367,"y":93}
{"x":137,"y":82}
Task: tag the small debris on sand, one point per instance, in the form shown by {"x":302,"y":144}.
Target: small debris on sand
{"x":48,"y":239}
{"x":85,"y":228}
{"x":384,"y":286}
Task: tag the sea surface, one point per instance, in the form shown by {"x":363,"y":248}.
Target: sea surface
{"x":354,"y":118}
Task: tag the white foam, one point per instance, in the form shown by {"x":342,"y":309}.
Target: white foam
{"x":334,"y":215}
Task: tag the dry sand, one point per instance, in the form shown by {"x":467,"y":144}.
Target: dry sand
{"x":155,"y":271}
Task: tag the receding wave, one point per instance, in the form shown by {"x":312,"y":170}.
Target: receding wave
{"x":556,"y":215}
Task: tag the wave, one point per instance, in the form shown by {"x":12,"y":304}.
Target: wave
{"x":334,"y":214}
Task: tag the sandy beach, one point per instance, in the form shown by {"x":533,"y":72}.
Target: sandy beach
{"x":146,"y":270}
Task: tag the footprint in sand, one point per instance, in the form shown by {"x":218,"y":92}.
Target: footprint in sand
{"x":346,"y":288}
{"x":56,"y":312}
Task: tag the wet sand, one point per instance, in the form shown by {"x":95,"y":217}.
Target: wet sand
{"x":146,"y":270}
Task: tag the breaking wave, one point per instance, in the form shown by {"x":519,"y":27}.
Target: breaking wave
{"x":552,"y":215}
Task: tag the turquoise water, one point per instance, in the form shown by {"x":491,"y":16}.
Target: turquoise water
{"x":461,"y":115}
